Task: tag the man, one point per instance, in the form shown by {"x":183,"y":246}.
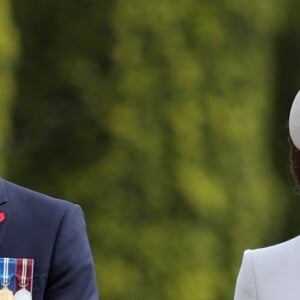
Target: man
{"x":51,"y":233}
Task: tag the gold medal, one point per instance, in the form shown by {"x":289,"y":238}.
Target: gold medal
{"x":6,"y":294}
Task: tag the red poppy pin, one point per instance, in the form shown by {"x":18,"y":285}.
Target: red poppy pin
{"x":2,"y":216}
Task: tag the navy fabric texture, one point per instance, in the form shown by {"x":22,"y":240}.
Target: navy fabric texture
{"x":53,"y":233}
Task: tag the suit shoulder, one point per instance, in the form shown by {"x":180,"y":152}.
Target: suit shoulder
{"x":276,"y":256}
{"x":264,"y":271}
{"x":279,"y":248}
{"x":28,"y":197}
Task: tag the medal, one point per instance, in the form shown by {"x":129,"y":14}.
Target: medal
{"x":22,"y":294}
{"x":5,"y":292}
{"x":24,"y":279}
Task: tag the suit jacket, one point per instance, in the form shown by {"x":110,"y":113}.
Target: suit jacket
{"x":53,"y":233}
{"x":271,"y":273}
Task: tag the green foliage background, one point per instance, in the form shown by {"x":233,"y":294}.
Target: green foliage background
{"x":166,"y":120}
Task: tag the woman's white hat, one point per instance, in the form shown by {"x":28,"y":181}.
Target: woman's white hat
{"x":294,"y":121}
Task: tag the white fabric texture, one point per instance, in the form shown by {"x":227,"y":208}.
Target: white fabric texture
{"x":294,"y":121}
{"x":271,"y":273}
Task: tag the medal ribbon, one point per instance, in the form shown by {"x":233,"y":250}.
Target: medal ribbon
{"x":24,"y":273}
{"x":7,"y":265}
{"x":5,"y":278}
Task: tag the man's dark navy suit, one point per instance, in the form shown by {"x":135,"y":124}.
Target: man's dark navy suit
{"x":53,"y":233}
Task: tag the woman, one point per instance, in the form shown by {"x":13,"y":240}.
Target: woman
{"x":273,"y":273}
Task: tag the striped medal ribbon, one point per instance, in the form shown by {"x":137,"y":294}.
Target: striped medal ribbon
{"x":24,"y":273}
{"x":7,"y":274}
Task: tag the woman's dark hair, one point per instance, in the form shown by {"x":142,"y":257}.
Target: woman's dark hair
{"x":295,"y":162}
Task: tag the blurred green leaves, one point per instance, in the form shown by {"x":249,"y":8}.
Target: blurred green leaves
{"x":8,"y":53}
{"x":155,"y":117}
